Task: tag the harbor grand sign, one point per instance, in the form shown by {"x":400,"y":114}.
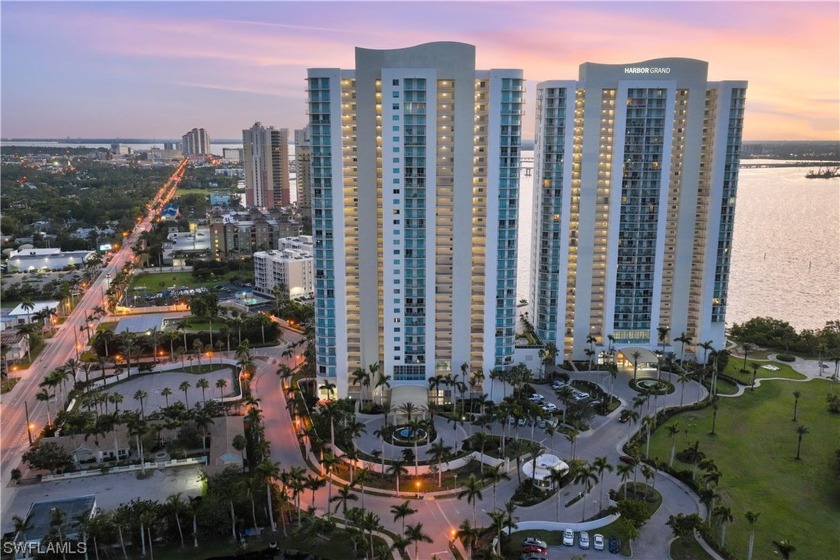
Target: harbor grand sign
{"x":647,"y":70}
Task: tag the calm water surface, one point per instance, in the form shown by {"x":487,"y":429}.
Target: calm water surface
{"x":785,"y":249}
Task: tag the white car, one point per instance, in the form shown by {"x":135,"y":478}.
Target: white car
{"x":536,"y":397}
{"x":598,"y":541}
{"x":568,"y":537}
{"x":549,"y":407}
{"x":584,"y":539}
{"x":558,"y":385}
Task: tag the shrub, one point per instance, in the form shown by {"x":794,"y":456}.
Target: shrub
{"x":785,"y":358}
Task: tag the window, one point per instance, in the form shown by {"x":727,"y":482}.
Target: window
{"x":395,"y":93}
{"x":395,"y":82}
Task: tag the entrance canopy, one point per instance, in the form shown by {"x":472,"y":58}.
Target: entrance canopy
{"x":417,"y":394}
{"x":645,"y":355}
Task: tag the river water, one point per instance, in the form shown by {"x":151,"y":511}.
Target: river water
{"x":785,"y":247}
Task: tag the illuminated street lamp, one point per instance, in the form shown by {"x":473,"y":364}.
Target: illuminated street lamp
{"x":28,"y":425}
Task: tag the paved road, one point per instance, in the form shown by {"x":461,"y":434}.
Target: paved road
{"x":60,"y":348}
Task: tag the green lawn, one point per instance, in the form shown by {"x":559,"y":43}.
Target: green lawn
{"x":733,"y":369}
{"x":152,"y":281}
{"x":755,"y":448}
{"x":687,"y":548}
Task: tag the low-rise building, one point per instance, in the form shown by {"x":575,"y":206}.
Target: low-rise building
{"x":289,"y":267}
{"x":46,"y":259}
{"x":237,"y":233}
{"x":22,"y":315}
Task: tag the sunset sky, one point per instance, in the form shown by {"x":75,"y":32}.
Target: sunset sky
{"x":158,"y":69}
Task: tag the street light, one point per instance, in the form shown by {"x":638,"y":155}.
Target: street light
{"x":28,"y":425}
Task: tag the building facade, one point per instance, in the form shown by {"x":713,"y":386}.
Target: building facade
{"x":636,"y":173}
{"x":303,"y":176}
{"x":195,"y":143}
{"x":241,"y":233}
{"x":289,"y":267}
{"x":415,"y":182}
{"x":266,"y":159}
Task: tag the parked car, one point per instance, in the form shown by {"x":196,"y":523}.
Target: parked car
{"x":624,"y":416}
{"x":584,"y":539}
{"x":536,"y":397}
{"x":531,"y":541}
{"x":627,"y":459}
{"x":568,"y":537}
{"x":557,"y":384}
{"x":614,"y":545}
{"x":549,"y":407}
{"x":598,"y":541}
{"x":522,"y":421}
{"x":533,"y":556}
{"x":541,"y":423}
{"x":533,"y":549}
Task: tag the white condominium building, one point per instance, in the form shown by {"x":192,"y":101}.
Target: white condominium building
{"x":635,"y":180}
{"x":415,"y":184}
{"x":289,"y":267}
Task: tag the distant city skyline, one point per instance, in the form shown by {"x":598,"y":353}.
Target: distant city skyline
{"x":156,"y":69}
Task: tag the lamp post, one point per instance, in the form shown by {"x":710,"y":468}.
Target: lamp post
{"x":28,"y":425}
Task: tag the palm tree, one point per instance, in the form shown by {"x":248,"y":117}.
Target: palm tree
{"x":600,"y":465}
{"x":27,"y":306}
{"x":202,"y":384}
{"x":344,"y":495}
{"x":175,"y":504}
{"x":673,"y":430}
{"x":752,"y":518}
{"x":44,"y":396}
{"x":415,"y":534}
{"x":683,"y":339}
{"x":185,"y":386}
{"x":801,"y":430}
{"x":796,"y":395}
{"x":662,"y":336}
{"x":396,"y":470}
{"x":754,"y":367}
{"x":141,"y":396}
{"x":724,"y":516}
{"x":221,"y":385}
{"x":496,"y":475}
{"x":439,"y":452}
{"x":165,"y":392}
{"x":683,"y":379}
{"x":314,"y":483}
{"x":382,"y":382}
{"x":636,"y":355}
{"x":192,"y":506}
{"x":468,"y":535}
{"x":625,"y":471}
{"x":785,"y":548}
{"x":360,"y":377}
{"x":714,"y":418}
{"x":472,"y":491}
{"x":329,"y":388}
{"x":240,"y":443}
{"x":587,"y":475}
{"x":269,"y":470}
{"x":402,"y":511}
{"x":408,"y":408}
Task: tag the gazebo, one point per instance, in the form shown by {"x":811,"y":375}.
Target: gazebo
{"x":541,"y":469}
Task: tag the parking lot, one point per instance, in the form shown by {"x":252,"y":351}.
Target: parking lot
{"x":111,"y":490}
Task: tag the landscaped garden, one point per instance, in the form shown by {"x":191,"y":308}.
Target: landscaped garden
{"x":754,"y":448}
